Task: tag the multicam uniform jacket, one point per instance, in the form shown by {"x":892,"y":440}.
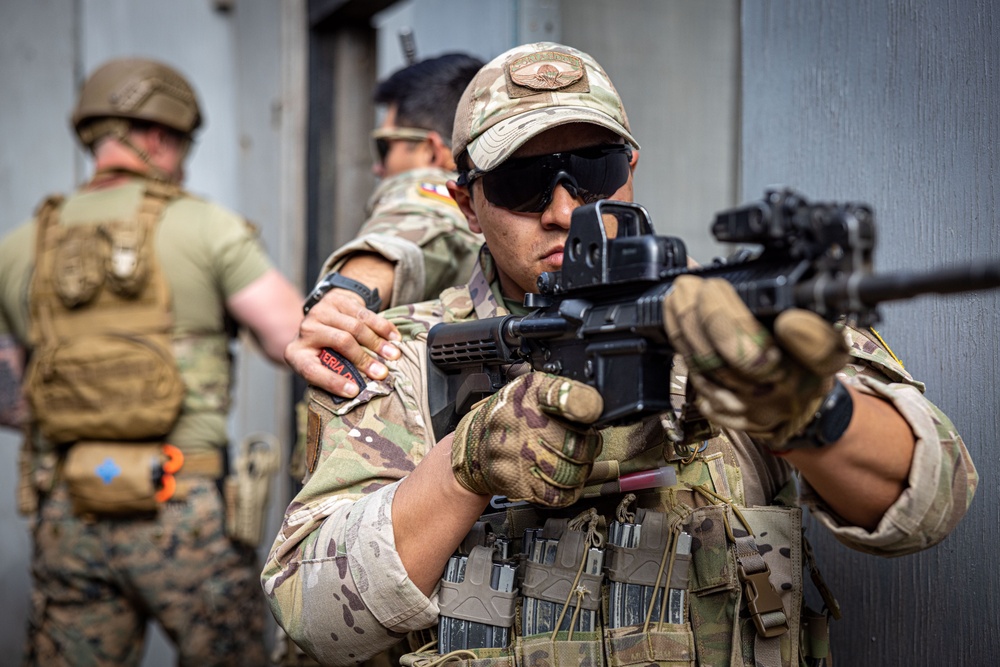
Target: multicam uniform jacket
{"x":335,"y":582}
{"x":414,"y":223}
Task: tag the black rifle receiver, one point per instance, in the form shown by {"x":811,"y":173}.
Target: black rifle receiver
{"x":600,"y":319}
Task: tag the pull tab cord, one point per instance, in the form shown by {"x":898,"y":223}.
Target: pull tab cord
{"x":670,"y":548}
{"x":721,"y":500}
{"x":460,"y":654}
{"x":590,"y":519}
{"x":622,"y":514}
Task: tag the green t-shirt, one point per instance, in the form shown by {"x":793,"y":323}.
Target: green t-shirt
{"x":207,"y":253}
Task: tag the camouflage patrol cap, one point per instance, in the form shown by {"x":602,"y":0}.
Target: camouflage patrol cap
{"x":136,"y":89}
{"x":528,"y":90}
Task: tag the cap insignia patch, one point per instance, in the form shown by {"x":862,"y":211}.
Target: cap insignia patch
{"x":546,"y":71}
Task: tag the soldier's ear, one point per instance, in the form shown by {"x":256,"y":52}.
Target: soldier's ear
{"x":462,"y":194}
{"x":440,"y":152}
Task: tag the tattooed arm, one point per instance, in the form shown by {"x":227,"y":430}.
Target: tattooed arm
{"x":13,"y":407}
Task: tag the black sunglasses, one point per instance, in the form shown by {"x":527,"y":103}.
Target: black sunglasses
{"x":382,"y":138}
{"x":525,"y":185}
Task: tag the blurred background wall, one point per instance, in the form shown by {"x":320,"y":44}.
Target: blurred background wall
{"x":893,"y":103}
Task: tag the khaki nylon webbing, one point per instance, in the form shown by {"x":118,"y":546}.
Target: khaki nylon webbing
{"x":154,"y":313}
{"x":771,"y":621}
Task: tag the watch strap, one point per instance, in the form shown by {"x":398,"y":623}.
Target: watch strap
{"x":373,"y":301}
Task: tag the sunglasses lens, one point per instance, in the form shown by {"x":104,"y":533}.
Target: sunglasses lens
{"x":523,"y":190}
{"x":525,"y":185}
{"x":382,"y":149}
{"x":383,"y":138}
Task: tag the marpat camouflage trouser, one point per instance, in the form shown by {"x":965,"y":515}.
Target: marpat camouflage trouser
{"x":97,"y":584}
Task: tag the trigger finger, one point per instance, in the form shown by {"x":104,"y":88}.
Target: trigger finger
{"x":733,"y":334}
{"x":816,"y":343}
{"x":577,"y":447}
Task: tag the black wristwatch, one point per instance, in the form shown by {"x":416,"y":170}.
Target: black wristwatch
{"x":373,"y":301}
{"x":831,"y":420}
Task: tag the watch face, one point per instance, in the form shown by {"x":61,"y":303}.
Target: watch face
{"x":314,"y":297}
{"x":833,"y":419}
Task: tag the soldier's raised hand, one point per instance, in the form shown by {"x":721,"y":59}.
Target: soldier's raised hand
{"x":532,"y":440}
{"x":341,"y":322}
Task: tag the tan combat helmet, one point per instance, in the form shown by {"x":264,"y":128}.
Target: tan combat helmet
{"x":134,"y":89}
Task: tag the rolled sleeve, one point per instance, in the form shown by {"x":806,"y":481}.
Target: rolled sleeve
{"x":408,"y":257}
{"x":388,"y":593}
{"x":941,"y":481}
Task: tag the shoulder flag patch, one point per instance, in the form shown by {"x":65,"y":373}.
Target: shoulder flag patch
{"x":436,"y":191}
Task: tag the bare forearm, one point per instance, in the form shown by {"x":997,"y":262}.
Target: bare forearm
{"x":861,"y":475}
{"x":431,"y":515}
{"x":373,"y":271}
{"x":271,"y":308}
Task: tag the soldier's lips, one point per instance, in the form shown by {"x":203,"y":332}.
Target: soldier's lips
{"x":554,"y":258}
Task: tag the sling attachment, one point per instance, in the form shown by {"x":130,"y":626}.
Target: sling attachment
{"x":832,"y":606}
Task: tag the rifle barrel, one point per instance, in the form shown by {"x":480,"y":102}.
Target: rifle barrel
{"x":852,"y":291}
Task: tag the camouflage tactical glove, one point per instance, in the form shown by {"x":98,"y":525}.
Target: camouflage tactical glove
{"x":745,"y":378}
{"x":532,"y":440}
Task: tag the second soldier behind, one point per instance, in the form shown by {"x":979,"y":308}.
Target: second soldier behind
{"x":415,"y":242}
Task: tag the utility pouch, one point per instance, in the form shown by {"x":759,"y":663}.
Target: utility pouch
{"x":647,"y":594}
{"x":132,"y":388}
{"x":582,"y":648}
{"x":746,"y":583}
{"x":115,"y":479}
{"x":246,"y":490}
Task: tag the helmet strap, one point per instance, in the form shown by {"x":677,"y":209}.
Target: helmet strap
{"x":119,"y":128}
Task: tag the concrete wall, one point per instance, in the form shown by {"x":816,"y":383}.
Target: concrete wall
{"x":37,"y":49}
{"x":895,"y":103}
{"x":676,"y":67}
{"x":248,"y":66}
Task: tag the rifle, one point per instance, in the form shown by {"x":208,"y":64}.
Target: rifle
{"x":599,"y":320}
{"x":409,"y":45}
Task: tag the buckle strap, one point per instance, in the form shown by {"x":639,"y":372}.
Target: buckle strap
{"x":763,"y":599}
